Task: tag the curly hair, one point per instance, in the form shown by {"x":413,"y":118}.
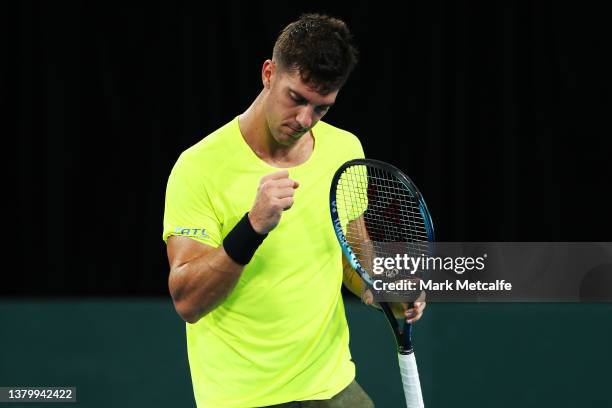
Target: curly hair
{"x":320,"y":48}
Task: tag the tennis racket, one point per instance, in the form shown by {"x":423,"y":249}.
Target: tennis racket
{"x":374,"y":208}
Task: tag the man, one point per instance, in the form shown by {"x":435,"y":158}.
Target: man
{"x":255,"y":265}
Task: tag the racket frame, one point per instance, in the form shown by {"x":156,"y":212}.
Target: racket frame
{"x":403,"y":336}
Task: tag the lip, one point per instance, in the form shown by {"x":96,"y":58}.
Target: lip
{"x":293,"y":133}
{"x":295,"y":130}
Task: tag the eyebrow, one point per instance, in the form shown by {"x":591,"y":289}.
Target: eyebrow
{"x":302,"y":97}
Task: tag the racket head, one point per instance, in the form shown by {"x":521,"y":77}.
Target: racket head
{"x":392,"y":208}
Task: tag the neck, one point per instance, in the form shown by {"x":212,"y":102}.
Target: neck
{"x":257,"y":134}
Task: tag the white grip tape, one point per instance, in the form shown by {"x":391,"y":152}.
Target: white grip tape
{"x":410,"y":380}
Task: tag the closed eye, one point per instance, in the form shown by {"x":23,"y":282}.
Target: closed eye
{"x":300,"y":100}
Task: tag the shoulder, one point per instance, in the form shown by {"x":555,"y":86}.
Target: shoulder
{"x":338,"y":141}
{"x":209,"y":154}
{"x":344,"y":136}
{"x":219,"y":141}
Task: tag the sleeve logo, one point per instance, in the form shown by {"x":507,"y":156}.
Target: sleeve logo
{"x":191,"y":232}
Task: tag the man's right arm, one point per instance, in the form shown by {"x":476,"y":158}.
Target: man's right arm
{"x":202,"y":276}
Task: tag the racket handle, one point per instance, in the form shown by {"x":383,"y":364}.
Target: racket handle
{"x":410,"y":380}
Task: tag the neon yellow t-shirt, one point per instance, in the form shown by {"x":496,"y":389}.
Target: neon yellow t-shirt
{"x":281,"y":335}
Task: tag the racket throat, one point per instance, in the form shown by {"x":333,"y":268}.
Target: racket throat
{"x":401,"y":350}
{"x":403,"y":337}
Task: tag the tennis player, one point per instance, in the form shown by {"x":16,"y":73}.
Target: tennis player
{"x":256,"y":269}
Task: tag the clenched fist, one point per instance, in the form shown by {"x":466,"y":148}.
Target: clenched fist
{"x":274,"y":195}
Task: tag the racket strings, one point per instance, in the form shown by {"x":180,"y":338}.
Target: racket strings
{"x":388,"y":206}
{"x":392,"y":219}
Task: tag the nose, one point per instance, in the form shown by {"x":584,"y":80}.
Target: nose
{"x":304,"y":117}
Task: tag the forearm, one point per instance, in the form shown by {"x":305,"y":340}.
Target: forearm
{"x":199,"y":285}
{"x":351,"y":279}
{"x":202,"y":276}
{"x":353,"y":282}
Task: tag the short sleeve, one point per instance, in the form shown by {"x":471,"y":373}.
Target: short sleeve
{"x":188,"y":209}
{"x":359,"y":154}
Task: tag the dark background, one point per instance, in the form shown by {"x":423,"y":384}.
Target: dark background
{"x":499,"y":111}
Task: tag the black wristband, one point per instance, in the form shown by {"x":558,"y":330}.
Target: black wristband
{"x":242,"y":241}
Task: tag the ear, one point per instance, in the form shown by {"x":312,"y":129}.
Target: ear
{"x":267,"y":73}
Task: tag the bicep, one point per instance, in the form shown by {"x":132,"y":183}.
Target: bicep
{"x":182,"y":250}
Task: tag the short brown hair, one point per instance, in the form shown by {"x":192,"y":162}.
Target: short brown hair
{"x":320,"y":48}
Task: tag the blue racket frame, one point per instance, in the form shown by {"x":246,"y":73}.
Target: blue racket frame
{"x":403,"y":337}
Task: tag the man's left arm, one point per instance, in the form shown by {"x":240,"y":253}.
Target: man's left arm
{"x":355,"y":284}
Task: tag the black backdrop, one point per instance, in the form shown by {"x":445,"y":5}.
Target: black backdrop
{"x":499,"y":112}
